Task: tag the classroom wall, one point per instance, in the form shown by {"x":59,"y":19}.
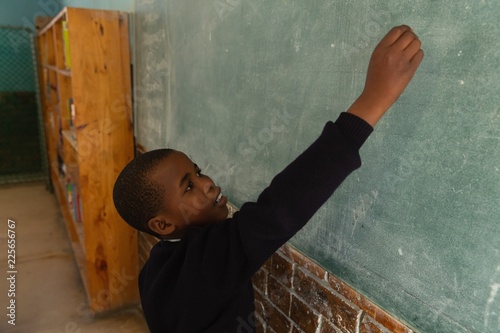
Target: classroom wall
{"x":21,"y":149}
{"x":122,"y":5}
{"x":16,"y":60}
{"x":243,"y":86}
{"x":16,"y":56}
{"x":20,"y":13}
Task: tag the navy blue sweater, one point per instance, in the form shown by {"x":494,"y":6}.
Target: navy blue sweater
{"x":203,"y":283}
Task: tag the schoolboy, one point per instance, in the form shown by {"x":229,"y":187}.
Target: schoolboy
{"x":198,"y":277}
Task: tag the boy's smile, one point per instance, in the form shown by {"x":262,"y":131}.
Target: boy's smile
{"x":191,"y":198}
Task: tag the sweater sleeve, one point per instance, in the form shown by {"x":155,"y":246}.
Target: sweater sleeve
{"x":296,"y":193}
{"x":202,"y":283}
{"x":242,"y":244}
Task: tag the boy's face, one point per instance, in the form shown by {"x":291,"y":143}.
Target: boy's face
{"x":191,"y":198}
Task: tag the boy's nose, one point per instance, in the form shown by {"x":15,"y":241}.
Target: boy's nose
{"x":208,"y":185}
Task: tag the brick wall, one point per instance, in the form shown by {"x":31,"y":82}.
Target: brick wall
{"x":295,"y":295}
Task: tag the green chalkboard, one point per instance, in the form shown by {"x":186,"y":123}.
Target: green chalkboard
{"x":243,"y":86}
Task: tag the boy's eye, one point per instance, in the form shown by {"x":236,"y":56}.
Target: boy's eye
{"x":190,"y":184}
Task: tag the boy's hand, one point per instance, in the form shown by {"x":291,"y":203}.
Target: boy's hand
{"x":392,"y":65}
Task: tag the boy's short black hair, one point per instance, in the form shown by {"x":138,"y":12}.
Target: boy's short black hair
{"x":136,"y":197}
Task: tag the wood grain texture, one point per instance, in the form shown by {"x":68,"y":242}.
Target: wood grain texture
{"x":99,"y":83}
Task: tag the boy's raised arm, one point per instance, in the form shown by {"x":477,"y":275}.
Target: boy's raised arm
{"x":296,"y":193}
{"x":392,"y":65}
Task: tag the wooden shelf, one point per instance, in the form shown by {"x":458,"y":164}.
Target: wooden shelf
{"x":76,"y":236}
{"x":70,"y":137}
{"x":65,"y":72}
{"x":75,"y":228}
{"x":85,"y":153}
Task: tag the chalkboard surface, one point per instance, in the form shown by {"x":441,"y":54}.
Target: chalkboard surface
{"x":243,"y":86}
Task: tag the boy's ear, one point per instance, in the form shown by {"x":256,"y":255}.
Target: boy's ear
{"x":161,"y":225}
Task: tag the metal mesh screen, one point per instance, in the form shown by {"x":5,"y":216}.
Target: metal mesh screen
{"x":22,"y":145}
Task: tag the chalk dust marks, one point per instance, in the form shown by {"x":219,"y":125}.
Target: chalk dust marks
{"x":365,"y":203}
{"x":492,"y":309}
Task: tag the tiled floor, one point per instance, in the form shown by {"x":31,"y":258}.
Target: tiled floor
{"x":49,"y":295}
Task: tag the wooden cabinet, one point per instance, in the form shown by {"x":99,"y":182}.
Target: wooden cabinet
{"x":85,"y":87}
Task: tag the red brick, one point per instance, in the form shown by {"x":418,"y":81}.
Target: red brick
{"x":259,"y":304}
{"x":273,"y":318}
{"x":368,"y":326}
{"x":379,"y":315}
{"x":279,"y":323}
{"x":349,"y":293}
{"x":260,"y":280}
{"x":333,"y":299}
{"x":304,"y":262}
{"x":282,"y":269}
{"x":279,"y":295}
{"x":295,"y":329}
{"x":303,"y":315}
{"x":260,"y":327}
{"x":268,"y":263}
{"x":328,"y":327}
{"x":326,"y":301}
{"x":385,"y":320}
